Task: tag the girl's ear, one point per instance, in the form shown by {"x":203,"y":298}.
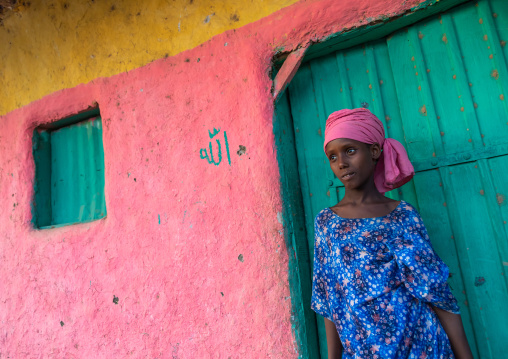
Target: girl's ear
{"x":375,"y":151}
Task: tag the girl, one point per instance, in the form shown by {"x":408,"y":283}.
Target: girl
{"x":377,"y":280}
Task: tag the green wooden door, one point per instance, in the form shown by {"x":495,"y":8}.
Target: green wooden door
{"x":439,"y":87}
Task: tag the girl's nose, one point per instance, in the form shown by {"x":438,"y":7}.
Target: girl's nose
{"x":342,"y":161}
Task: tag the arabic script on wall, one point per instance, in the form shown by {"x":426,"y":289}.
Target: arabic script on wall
{"x":209,"y":156}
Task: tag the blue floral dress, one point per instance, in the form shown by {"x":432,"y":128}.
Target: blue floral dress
{"x":374,"y":278}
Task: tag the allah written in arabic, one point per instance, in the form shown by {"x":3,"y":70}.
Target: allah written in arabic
{"x":209,"y":157}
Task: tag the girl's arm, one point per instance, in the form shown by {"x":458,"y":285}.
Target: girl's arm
{"x":333,"y":340}
{"x":452,"y":324}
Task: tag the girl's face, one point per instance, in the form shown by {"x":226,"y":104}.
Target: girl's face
{"x":353,"y":162}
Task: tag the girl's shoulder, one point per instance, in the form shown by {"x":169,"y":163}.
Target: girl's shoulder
{"x":406,"y":208}
{"x":324,"y":216}
{"x":407,"y":215}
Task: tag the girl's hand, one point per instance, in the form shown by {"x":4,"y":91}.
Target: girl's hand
{"x":333,"y":340}
{"x":452,"y":324}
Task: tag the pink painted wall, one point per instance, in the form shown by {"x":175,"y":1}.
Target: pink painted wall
{"x":183,"y":292}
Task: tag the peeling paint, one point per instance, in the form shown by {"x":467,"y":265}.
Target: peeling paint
{"x":479,"y":281}
{"x":208,"y":18}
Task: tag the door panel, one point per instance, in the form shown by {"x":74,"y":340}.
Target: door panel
{"x":439,"y":87}
{"x":309,"y":132}
{"x":435,"y":211}
{"x":478,"y":230}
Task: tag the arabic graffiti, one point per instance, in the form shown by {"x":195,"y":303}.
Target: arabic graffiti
{"x":210,"y":158}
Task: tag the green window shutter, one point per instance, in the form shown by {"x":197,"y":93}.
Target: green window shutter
{"x":69,"y":183}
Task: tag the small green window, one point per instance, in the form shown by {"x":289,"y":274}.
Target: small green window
{"x":69,"y":171}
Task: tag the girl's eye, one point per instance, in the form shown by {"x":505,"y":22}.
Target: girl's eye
{"x":350,"y":151}
{"x":332,"y":158}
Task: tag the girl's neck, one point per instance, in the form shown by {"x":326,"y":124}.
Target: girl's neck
{"x":366,"y":202}
{"x":354,"y":197}
{"x":365,"y":195}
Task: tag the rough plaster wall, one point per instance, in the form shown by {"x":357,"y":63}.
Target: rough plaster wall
{"x":170,"y":247}
{"x":181,"y":287}
{"x":63,"y":43}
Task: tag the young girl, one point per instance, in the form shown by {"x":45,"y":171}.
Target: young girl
{"x":377,"y":280}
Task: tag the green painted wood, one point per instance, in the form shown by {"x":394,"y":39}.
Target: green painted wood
{"x":439,"y":87}
{"x":500,"y":186}
{"x":485,"y":288}
{"x":309,"y":133}
{"x":345,"y":95}
{"x":484,"y":152}
{"x":347,"y":38}
{"x":498,"y":8}
{"x":435,"y":210}
{"x":69,"y":184}
{"x":77,"y":173}
{"x":488,"y":76}
{"x":325,"y":104}
{"x":416,"y":109}
{"x":445,"y":87}
{"x":293,"y":220}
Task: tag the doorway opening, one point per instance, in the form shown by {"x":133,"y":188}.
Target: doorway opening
{"x":439,"y":87}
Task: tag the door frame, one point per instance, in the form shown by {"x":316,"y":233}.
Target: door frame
{"x":293,"y":217}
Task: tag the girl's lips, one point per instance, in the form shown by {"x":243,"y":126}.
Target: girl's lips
{"x":348,"y":175}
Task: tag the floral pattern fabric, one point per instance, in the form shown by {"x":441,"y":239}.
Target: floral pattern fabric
{"x":375,"y":278}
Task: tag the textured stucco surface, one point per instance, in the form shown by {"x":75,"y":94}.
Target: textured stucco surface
{"x":194,"y":252}
{"x":62,"y":43}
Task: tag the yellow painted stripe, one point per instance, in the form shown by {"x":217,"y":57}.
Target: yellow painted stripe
{"x":48,"y":46}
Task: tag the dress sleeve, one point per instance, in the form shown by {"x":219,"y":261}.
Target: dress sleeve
{"x":422,"y":271}
{"x":320,"y":281}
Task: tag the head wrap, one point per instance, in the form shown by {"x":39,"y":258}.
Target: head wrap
{"x":393,"y":168}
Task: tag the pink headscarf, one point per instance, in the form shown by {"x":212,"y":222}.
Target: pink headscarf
{"x":393,"y":168}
